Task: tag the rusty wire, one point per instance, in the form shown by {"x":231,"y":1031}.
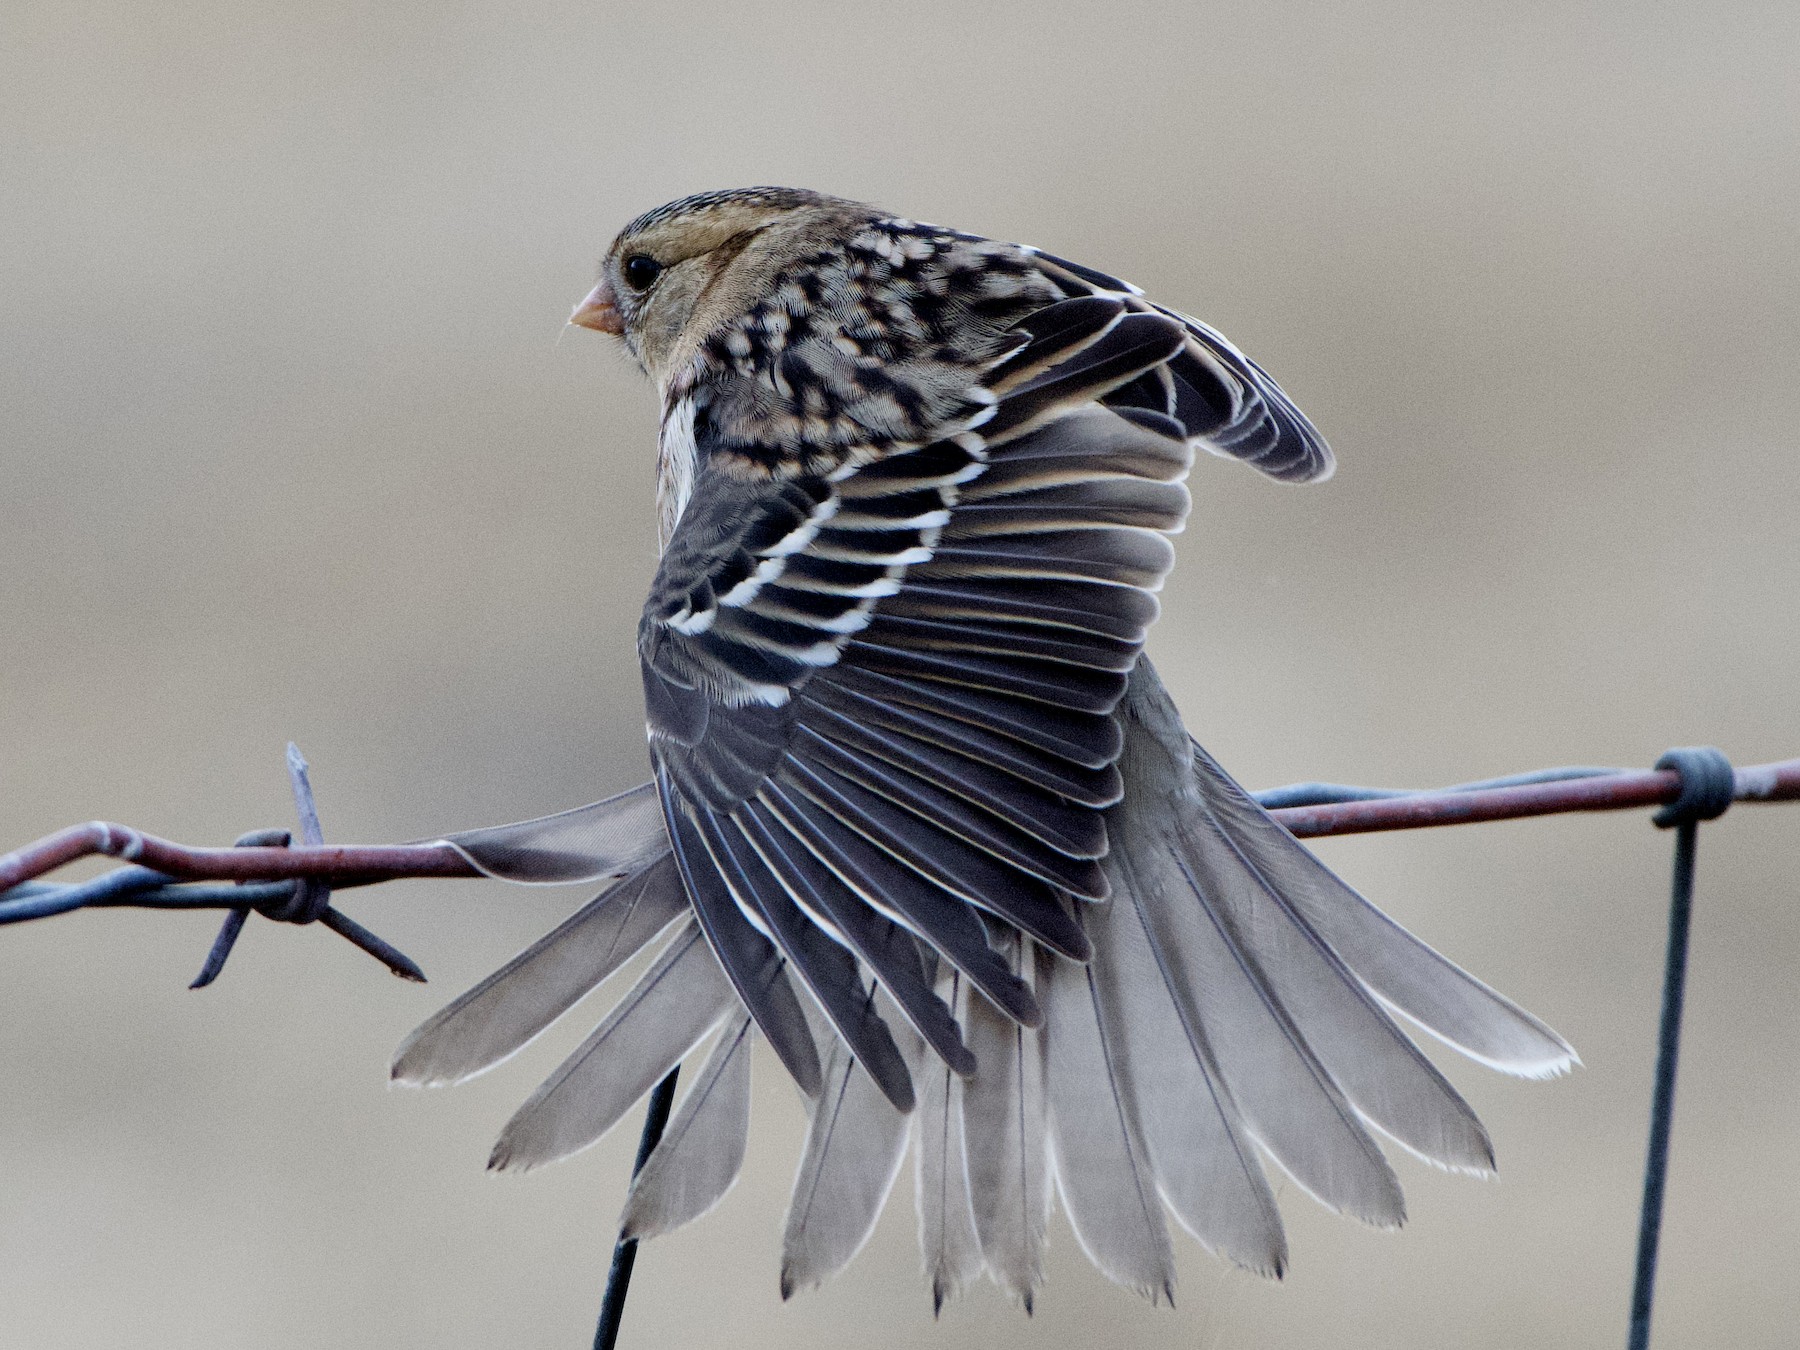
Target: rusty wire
{"x":344,"y":866}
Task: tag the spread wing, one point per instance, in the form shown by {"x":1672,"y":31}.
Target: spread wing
{"x":881,"y":690}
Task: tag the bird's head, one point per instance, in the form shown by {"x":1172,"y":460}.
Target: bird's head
{"x":676,"y":273}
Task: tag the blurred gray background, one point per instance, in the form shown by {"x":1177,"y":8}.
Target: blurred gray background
{"x":289,"y":447}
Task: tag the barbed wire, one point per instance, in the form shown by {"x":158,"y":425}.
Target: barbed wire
{"x":163,"y":871}
{"x":266,"y":873}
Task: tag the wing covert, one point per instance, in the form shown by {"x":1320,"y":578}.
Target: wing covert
{"x":1221,"y":399}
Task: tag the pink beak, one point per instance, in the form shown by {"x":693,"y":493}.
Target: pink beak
{"x":599,"y":312}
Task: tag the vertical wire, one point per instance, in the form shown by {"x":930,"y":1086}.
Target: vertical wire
{"x":1662,"y":1105}
{"x":624,"y":1258}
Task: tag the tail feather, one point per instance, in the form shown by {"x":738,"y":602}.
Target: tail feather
{"x":1005,"y":1129}
{"x":503,"y":1013}
{"x":1289,"y":1100}
{"x":855,"y":1142}
{"x":669,"y":1011}
{"x":1405,"y":973}
{"x":1205,"y":1162}
{"x":1377,"y":1067}
{"x":948,"y":1244}
{"x":606,"y":838}
{"x":701,"y":1153}
{"x":1102,"y":1167}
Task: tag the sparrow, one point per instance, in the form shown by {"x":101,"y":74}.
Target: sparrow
{"x":923,"y":817}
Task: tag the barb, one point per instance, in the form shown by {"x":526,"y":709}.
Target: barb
{"x":279,"y":890}
{"x":310,"y":899}
{"x":240,"y":914}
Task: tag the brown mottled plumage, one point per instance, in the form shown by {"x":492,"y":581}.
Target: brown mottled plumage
{"x":926,"y":802}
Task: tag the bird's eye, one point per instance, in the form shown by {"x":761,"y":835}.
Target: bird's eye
{"x":640,"y":271}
